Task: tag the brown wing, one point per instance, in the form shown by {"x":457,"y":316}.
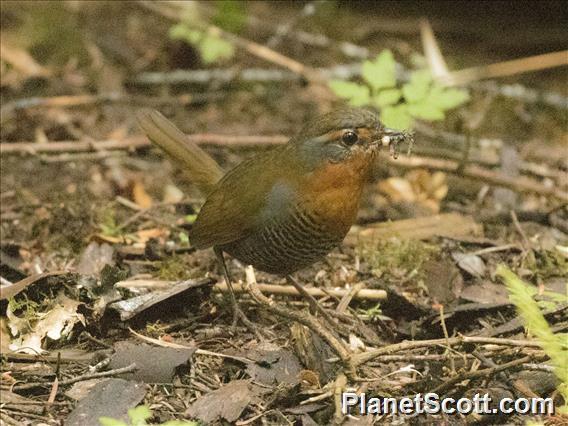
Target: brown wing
{"x":238,"y":204}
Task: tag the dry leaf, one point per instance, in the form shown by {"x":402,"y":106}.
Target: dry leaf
{"x":56,"y":323}
{"x":140,"y":196}
{"x":417,"y":186}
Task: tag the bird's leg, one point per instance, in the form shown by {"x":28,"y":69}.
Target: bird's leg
{"x":237,"y":312}
{"x":311,"y":300}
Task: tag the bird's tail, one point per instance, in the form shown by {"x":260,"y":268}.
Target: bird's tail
{"x":197,"y":165}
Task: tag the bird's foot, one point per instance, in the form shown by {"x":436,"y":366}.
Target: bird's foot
{"x":239,"y":315}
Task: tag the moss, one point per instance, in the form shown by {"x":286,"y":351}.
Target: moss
{"x":107,"y":223}
{"x":397,"y":258}
{"x":549,"y":263}
{"x":173,"y":269}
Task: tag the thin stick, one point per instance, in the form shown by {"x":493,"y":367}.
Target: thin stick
{"x":363,"y":294}
{"x":473,"y":171}
{"x":128,"y":369}
{"x":447,"y":337}
{"x":309,"y":321}
{"x":253,"y":48}
{"x":487,"y":372}
{"x":398,"y":347}
{"x":506,"y":68}
{"x":517,"y":183}
{"x":311,"y":300}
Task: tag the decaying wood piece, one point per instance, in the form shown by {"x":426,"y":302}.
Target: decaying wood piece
{"x":421,"y":228}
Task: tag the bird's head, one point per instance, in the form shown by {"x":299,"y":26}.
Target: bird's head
{"x":350,"y":136}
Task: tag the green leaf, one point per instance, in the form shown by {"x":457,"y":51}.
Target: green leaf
{"x":190,"y":218}
{"x":357,"y":94}
{"x":183,"y":239}
{"x":180,"y":423}
{"x":387,"y":97}
{"x":446,"y":99}
{"x":417,"y":88}
{"x":380,"y":73}
{"x":213,"y":48}
{"x":231,"y":15}
{"x":109,"y":421}
{"x":426,"y":111}
{"x":396,"y":117}
{"x":139,"y":415}
{"x":183,"y":32}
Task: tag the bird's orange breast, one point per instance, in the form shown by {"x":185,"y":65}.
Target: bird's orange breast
{"x":333,"y":192}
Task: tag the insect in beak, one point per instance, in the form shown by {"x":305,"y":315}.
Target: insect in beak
{"x":392,"y":138}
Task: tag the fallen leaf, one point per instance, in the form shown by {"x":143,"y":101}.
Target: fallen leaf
{"x":418,"y":187}
{"x":471,"y":263}
{"x":109,"y":398}
{"x":273,"y":367}
{"x":57,"y":322}
{"x":485,"y":292}
{"x":140,"y":196}
{"x":80,"y":390}
{"x":172,"y":194}
{"x":94,"y":258}
{"x":154,"y":364}
{"x":228,"y":402}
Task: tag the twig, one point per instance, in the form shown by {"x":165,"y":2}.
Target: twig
{"x":134,"y":142}
{"x":10,"y":291}
{"x":488,"y":372}
{"x":506,"y":68}
{"x":10,"y":421}
{"x":84,"y":100}
{"x":419,"y":358}
{"x":253,"y":48}
{"x":447,"y":337}
{"x":197,"y":351}
{"x":488,"y":250}
{"x":363,"y":294}
{"x":83,"y":156}
{"x":432,"y":51}
{"x":311,"y":300}
{"x":309,"y":321}
{"x":128,"y":369}
{"x":398,"y":347}
{"x":519,"y":183}
{"x":526,"y":242}
{"x":347,"y":297}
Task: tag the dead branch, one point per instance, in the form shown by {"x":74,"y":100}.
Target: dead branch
{"x":113,"y":97}
{"x":473,"y":171}
{"x":305,"y":319}
{"x":88,"y":376}
{"x":502,"y":69}
{"x":256,"y":49}
{"x":362,"y":294}
{"x":487,"y":372}
{"x":518,"y":183}
{"x":453,"y":341}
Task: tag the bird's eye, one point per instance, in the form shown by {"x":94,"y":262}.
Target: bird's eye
{"x":349,"y":138}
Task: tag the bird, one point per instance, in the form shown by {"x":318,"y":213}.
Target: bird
{"x":285,"y":208}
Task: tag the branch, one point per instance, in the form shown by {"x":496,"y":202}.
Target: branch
{"x":399,"y":347}
{"x":517,"y":183}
